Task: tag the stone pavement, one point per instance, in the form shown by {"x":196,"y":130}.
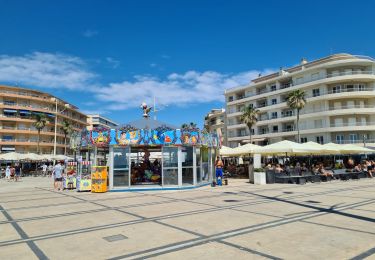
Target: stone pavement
{"x":334,"y":220}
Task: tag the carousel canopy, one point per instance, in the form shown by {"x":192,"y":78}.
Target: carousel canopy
{"x":147,"y":123}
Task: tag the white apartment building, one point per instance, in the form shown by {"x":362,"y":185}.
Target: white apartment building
{"x":99,"y":120}
{"x":214,"y":122}
{"x":340,"y":108}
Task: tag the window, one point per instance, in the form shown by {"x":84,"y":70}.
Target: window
{"x":303,"y":139}
{"x":320,"y":140}
{"x":251,"y":105}
{"x":316,"y":92}
{"x":299,"y":80}
{"x":230,"y":99}
{"x":353,"y":138}
{"x":273,"y":88}
{"x":336,"y":89}
{"x":349,"y":88}
{"x":275,"y":129}
{"x":274,"y":115}
{"x":274,"y":101}
{"x":339,"y":139}
{"x":315,"y":76}
{"x":7,"y":137}
{"x":287,"y":113}
{"x":361,"y":87}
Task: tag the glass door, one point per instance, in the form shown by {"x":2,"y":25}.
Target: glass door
{"x":169,"y":166}
{"x":121,"y":166}
{"x":198,"y":164}
{"x":187,"y":165}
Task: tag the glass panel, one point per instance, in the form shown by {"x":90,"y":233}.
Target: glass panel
{"x":121,"y":166}
{"x":212,"y":163}
{"x":170,"y":165}
{"x":187,"y":156}
{"x":187,"y":176}
{"x":204,"y":155}
{"x":170,"y":176}
{"x":198,"y":161}
{"x":170,"y":157}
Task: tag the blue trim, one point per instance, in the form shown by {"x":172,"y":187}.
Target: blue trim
{"x":158,"y":188}
{"x":25,"y":112}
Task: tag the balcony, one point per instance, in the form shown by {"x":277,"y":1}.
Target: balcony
{"x":330,"y":75}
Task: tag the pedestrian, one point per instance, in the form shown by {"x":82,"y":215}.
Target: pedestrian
{"x":44,"y":170}
{"x":57,"y":174}
{"x":7,"y":173}
{"x":17,"y":171}
{"x":50,"y":170}
{"x":12,"y":171}
{"x":219,"y":170}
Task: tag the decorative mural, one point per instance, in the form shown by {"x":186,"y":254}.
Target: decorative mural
{"x":162,"y":135}
{"x":100,"y":136}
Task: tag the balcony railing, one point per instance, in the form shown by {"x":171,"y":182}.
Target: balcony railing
{"x":25,"y":140}
{"x":323,"y":93}
{"x":329,"y":75}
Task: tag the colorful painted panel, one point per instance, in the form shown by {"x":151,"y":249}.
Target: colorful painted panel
{"x":100,"y":136}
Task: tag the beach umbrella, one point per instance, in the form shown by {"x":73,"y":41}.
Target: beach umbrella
{"x":354,"y":149}
{"x":286,"y":147}
{"x":225,"y":151}
{"x":245,"y":149}
{"x":321,"y":149}
{"x":12,"y":156}
{"x":32,"y":157}
{"x":60,"y":157}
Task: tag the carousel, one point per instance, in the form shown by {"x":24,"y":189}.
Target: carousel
{"x":149,"y":154}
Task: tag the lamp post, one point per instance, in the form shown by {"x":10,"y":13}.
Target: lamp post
{"x":56,"y":112}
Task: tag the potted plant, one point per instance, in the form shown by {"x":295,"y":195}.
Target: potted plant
{"x":259,"y":176}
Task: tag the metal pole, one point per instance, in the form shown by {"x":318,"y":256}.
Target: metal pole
{"x":54,"y":144}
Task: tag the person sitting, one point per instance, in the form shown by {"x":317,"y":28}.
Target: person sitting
{"x":315,"y":169}
{"x":278,"y":169}
{"x":357,"y":168}
{"x":370,"y":169}
{"x":324,"y":172}
{"x":297,"y":169}
{"x":304,"y":168}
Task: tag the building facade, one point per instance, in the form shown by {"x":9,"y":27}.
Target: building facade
{"x":214,"y":122}
{"x":99,"y":120}
{"x":340,"y":108}
{"x":17,"y":109}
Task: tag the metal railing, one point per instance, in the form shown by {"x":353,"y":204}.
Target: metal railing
{"x":323,"y":93}
{"x":300,"y":82}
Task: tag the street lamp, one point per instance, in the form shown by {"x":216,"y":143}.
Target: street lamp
{"x":56,"y":112}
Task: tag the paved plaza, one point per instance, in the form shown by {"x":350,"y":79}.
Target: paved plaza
{"x":333,"y":220}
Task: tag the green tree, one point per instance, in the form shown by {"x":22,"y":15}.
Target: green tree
{"x":41,"y":121}
{"x":297,"y":101}
{"x":250,"y":118}
{"x":67,"y":130}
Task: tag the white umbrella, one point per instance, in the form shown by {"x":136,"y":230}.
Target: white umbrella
{"x":354,"y":149}
{"x":323,"y":150}
{"x":286,"y":148}
{"x":33,"y":157}
{"x":12,"y":156}
{"x":245,"y":149}
{"x":60,"y":157}
{"x":225,"y":151}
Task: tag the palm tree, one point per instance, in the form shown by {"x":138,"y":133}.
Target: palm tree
{"x":192,"y":125}
{"x":297,"y":101}
{"x":67,"y":129}
{"x":41,"y":121}
{"x":249,"y":117}
{"x":184,"y":126}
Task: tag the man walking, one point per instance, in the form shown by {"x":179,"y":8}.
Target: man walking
{"x":57,"y":175}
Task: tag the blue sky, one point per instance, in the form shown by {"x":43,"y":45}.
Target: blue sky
{"x":109,"y":56}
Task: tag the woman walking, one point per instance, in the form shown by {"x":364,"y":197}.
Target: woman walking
{"x":7,"y":173}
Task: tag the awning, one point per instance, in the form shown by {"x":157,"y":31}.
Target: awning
{"x":10,"y":111}
{"x":51,"y":115}
{"x":27,"y":112}
{"x":8,"y":148}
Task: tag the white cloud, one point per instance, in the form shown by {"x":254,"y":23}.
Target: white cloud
{"x":89,"y":33}
{"x":45,"y":70}
{"x":113,"y":62}
{"x":191,"y":87}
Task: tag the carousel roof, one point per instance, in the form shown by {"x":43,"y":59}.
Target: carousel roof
{"x":147,"y":123}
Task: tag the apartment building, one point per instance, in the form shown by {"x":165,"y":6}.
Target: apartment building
{"x":214,"y":122}
{"x":99,"y":120}
{"x":17,"y":109}
{"x":340,"y":94}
